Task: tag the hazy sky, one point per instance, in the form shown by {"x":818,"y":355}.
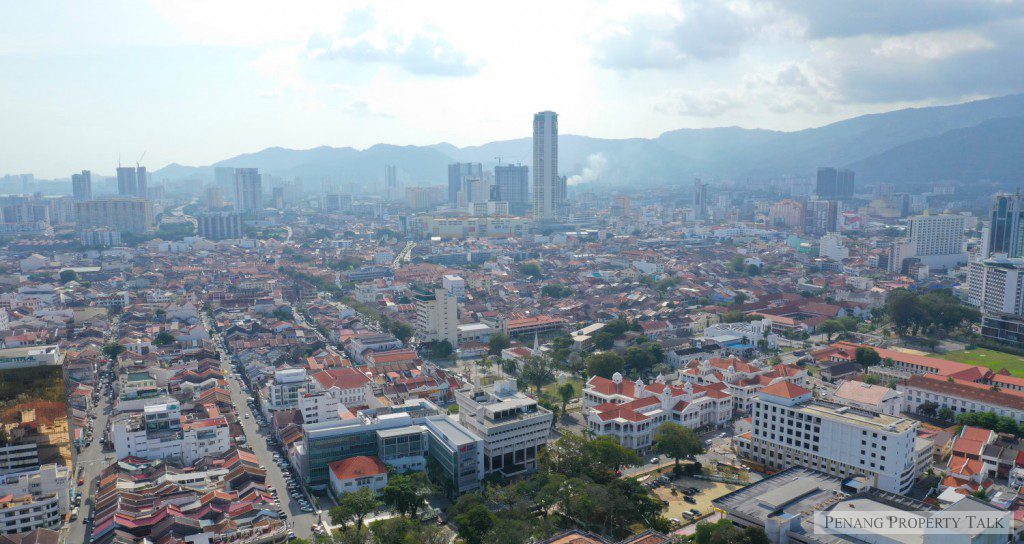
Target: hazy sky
{"x":196,"y":81}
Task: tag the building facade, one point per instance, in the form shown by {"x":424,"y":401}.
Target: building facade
{"x":548,"y":186}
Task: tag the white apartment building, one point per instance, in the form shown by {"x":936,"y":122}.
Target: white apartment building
{"x":20,"y":514}
{"x":936,"y":240}
{"x":285,"y":389}
{"x":791,"y":428}
{"x":45,"y":480}
{"x":18,"y":457}
{"x":513,"y":426}
{"x":996,"y":287}
{"x":455,"y":285}
{"x":317,"y":407}
{"x":437,"y":316}
{"x":831,"y":246}
{"x":632,"y":411}
{"x":160,"y":433}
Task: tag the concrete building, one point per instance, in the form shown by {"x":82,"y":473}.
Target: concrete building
{"x":403,"y":436}
{"x":548,"y":187}
{"x":459,"y":174}
{"x":514,"y":428}
{"x":1005,"y":234}
{"x":437,"y":316}
{"x":700,"y":200}
{"x":134,"y":215}
{"x":159,"y":432}
{"x":834,"y":183}
{"x":81,"y":186}
{"x":24,"y":513}
{"x":961,"y":396}
{"x":831,"y":246}
{"x":864,"y":396}
{"x":454,"y":285}
{"x":220,"y":225}
{"x":355,"y":473}
{"x":131,"y":182}
{"x":512,"y":185}
{"x":248,"y":190}
{"x":43,"y":480}
{"x":391,"y":189}
{"x":791,"y":428}
{"x":935,"y":241}
{"x":285,"y":389}
{"x":31,"y":356}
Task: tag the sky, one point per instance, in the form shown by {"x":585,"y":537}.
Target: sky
{"x":86,"y":84}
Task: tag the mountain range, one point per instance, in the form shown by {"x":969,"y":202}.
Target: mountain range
{"x":982,"y":140}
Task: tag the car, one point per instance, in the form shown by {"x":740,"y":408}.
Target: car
{"x":655,"y":460}
{"x":695,"y":512}
{"x":674,"y":520}
{"x":689,"y":499}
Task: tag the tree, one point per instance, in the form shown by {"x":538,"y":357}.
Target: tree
{"x":531,"y":269}
{"x":283,"y":313}
{"x":474,"y":524}
{"x":928,"y":408}
{"x":574,"y":364}
{"x":497,"y":343}
{"x":945,"y":413}
{"x":604,"y":364}
{"x":830,"y":327}
{"x":355,"y":505}
{"x":405,"y":493}
{"x":163,"y":339}
{"x":866,"y":357}
{"x":604,"y":340}
{"x":68,"y":275}
{"x":442,"y":349}
{"x":677,"y":442}
{"x":537,"y":372}
{"x":555,"y":290}
{"x":739,"y":299}
{"x":112,"y":350}
{"x":402,"y":331}
{"x":566,"y":392}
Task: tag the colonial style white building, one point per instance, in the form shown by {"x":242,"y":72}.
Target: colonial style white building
{"x":742,"y":380}
{"x":633,"y":411}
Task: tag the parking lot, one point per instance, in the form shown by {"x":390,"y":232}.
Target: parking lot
{"x":702,"y":492}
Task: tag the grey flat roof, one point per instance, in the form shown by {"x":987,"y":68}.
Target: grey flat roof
{"x":781,"y":496}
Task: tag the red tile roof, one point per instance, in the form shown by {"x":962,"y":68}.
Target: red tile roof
{"x":785,"y":389}
{"x":358,"y":467}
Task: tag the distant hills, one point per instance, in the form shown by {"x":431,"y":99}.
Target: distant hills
{"x":974,"y":141}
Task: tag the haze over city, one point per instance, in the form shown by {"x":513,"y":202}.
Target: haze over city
{"x":575,"y":272}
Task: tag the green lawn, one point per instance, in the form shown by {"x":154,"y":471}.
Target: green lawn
{"x":551,"y":390}
{"x":986,"y":357}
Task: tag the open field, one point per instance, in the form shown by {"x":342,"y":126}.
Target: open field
{"x":986,"y":357}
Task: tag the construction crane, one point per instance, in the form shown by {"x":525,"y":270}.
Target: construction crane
{"x":138,"y":162}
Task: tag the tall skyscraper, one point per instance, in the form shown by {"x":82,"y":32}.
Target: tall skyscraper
{"x":821,"y":216}
{"x":548,"y":186}
{"x":1006,"y":226}
{"x":220,"y":225}
{"x":81,"y":186}
{"x":128,"y":180}
{"x":224,"y":177}
{"x":700,"y":199}
{"x":214,"y":197}
{"x":141,"y":182}
{"x":390,"y":181}
{"x":458,"y":174}
{"x":248,"y":190}
{"x":512,"y":185}
{"x":834,"y":182}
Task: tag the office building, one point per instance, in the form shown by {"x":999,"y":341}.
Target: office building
{"x":160,"y":432}
{"x":220,"y":225}
{"x":791,"y":428}
{"x":700,"y":200}
{"x":213,"y":197}
{"x":935,"y":241}
{"x":478,"y":191}
{"x":514,"y":428}
{"x":996,"y":287}
{"x":404,"y":436}
{"x":548,"y":186}
{"x":831,"y":247}
{"x":458,"y":175}
{"x":133,"y":215}
{"x":834,"y":183}
{"x":248,"y":190}
{"x":437,"y":316}
{"x":224,"y":177}
{"x":821,"y":217}
{"x":132,"y":181}
{"x":787,"y":213}
{"x":391,"y":181}
{"x":81,"y":185}
{"x":1006,"y":227}
{"x":512,"y":185}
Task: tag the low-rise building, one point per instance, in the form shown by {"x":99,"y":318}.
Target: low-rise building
{"x":355,"y":473}
{"x":513,"y":426}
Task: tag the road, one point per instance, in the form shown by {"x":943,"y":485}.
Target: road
{"x":93,"y":458}
{"x":256,"y":439}
{"x":403,"y":255}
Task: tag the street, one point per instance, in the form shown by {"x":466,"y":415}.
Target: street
{"x":91,"y":460}
{"x":300,"y":522}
